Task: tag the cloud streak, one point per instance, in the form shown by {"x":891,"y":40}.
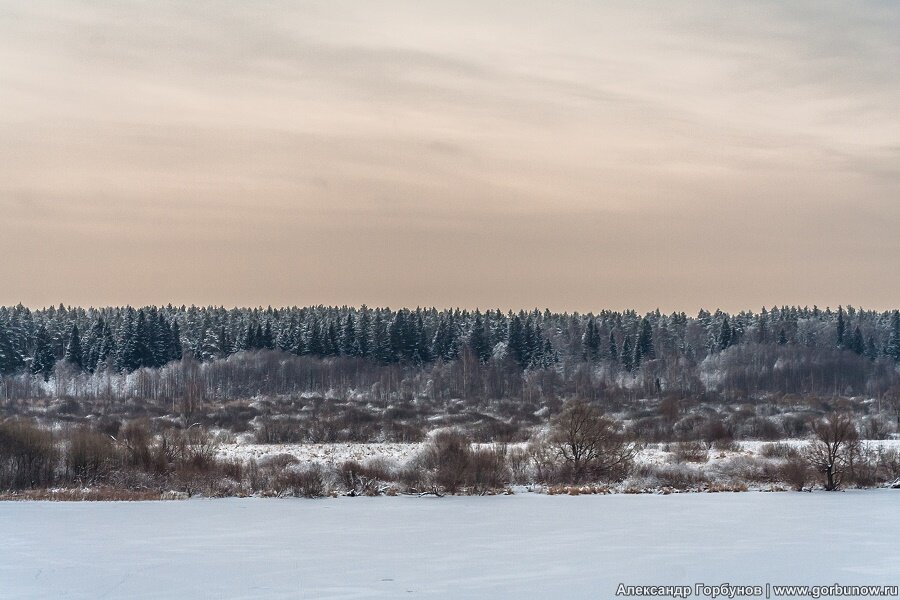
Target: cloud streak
{"x":473,"y":153}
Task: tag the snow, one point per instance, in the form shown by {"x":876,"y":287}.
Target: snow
{"x":400,"y":453}
{"x":330,"y":454}
{"x":755,"y":447}
{"x":527,"y":545}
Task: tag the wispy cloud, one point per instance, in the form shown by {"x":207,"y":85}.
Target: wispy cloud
{"x":571,"y":155}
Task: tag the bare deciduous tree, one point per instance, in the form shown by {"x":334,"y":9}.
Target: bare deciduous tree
{"x":449,"y":457}
{"x":590,"y":443}
{"x":831,"y":448}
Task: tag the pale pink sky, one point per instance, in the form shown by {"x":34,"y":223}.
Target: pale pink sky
{"x":573,"y":155}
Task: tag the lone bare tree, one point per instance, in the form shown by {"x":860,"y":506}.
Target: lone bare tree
{"x":831,"y":448}
{"x":590,"y":443}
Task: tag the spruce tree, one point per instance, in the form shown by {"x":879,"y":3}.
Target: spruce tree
{"x":43,"y":359}
{"x":533,"y":341}
{"x":143,"y":354}
{"x":840,"y":327}
{"x":453,"y":336}
{"x":381,"y":341}
{"x":613,"y":348}
{"x":285,"y":336}
{"x":175,"y":351}
{"x":403,"y":336}
{"x":162,"y":340}
{"x":92,"y":347}
{"x":627,"y":354}
{"x":348,"y":337}
{"x":857,"y":344}
{"x":331,"y":341}
{"x":421,"y":347}
{"x":209,"y":347}
{"x":314,"y":343}
{"x":106,"y":349}
{"x":259,"y":338}
{"x":549,"y":356}
{"x":268,"y":338}
{"x":478,"y":340}
{"x":363,"y":333}
{"x":590,"y":341}
{"x":11,"y":360}
{"x":871,"y":349}
{"x":516,"y":342}
{"x":152,"y":336}
{"x":223,"y":343}
{"x":125,"y":343}
{"x":249,"y":340}
{"x":782,"y":338}
{"x":892,"y":348}
{"x":397,"y":337}
{"x":74,"y":354}
{"x":440,"y":341}
{"x":725,"y":334}
{"x":243,"y":338}
{"x":762,"y":330}
{"x":643,"y":348}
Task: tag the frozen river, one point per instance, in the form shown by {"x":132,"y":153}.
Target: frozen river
{"x":519,"y":546}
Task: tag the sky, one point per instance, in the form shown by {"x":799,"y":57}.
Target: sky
{"x":572,"y":155}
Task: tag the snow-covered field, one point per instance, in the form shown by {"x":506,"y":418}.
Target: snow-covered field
{"x":326,"y":454}
{"x":522,"y":546}
{"x":335,"y":454}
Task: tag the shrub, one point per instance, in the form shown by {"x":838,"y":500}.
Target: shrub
{"x":678,"y":477}
{"x":308,"y":482}
{"x":195,"y":449}
{"x":402,"y":432}
{"x":447,"y":456}
{"x":726,"y":445}
{"x":413,"y":478}
{"x":761,"y":428}
{"x":651,"y":429}
{"x":91,"y":456}
{"x":494,"y":430}
{"x":690,"y":452}
{"x":488,"y":469}
{"x":874,"y":428}
{"x":27,"y":456}
{"x":544,"y":461}
{"x":279,"y":461}
{"x":778,"y":450}
{"x":795,"y":472}
{"x":517,"y":459}
{"x":258,"y":479}
{"x":888,"y":462}
{"x":141,"y":449}
{"x":108,"y":426}
{"x":233,"y":469}
{"x":235,"y":417}
{"x":280,"y":431}
{"x":366,"y":479}
{"x":750,"y":470}
{"x":715,"y":432}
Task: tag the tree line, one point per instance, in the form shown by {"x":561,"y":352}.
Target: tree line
{"x":776,"y":349}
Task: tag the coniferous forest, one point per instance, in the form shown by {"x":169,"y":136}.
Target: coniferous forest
{"x":241,"y":352}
